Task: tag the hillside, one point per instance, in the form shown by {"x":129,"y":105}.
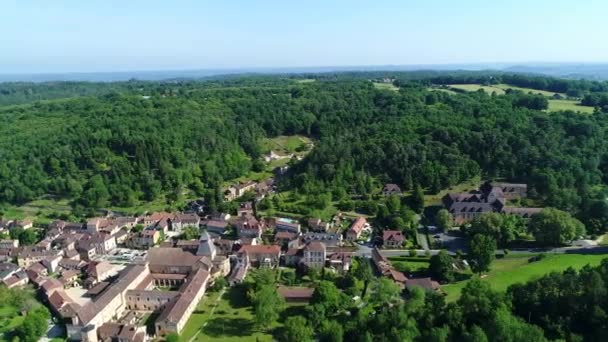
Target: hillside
{"x":126,"y":149}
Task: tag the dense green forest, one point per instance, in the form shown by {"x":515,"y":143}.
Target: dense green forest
{"x":134,"y":141}
{"x":568,"y":306}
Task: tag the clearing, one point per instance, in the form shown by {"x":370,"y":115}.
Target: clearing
{"x":476,"y":87}
{"x":286,"y":144}
{"x":516,"y":269}
{"x":385,"y":86}
{"x":573,"y":105}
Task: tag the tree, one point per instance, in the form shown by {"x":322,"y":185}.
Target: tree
{"x":331,"y":331}
{"x":481,"y":252}
{"x":385,"y":291}
{"x":444,"y":219}
{"x":441,"y":267}
{"x":417,"y":200}
{"x":297,"y":329}
{"x":555,"y":227}
{"x":363,"y":272}
{"x":327,"y":295}
{"x":267,"y":305}
{"x":393,"y":203}
{"x":190,"y":233}
{"x":34,"y":325}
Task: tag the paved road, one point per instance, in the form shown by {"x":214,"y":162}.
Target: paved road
{"x":366,"y":251}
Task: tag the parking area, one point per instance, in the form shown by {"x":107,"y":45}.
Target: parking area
{"x":447,"y":240}
{"x":122,"y":256}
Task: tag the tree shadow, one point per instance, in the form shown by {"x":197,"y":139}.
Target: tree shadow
{"x":237,"y":296}
{"x":292,"y":310}
{"x":225,"y":326}
{"x":458,"y":276}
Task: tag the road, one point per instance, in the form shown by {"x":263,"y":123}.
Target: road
{"x":366,"y":251}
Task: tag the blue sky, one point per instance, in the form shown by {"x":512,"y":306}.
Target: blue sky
{"x":125,"y":35}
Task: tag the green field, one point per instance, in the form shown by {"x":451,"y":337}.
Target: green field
{"x":516,"y":269}
{"x":385,"y":86}
{"x":573,"y":105}
{"x":476,"y":87}
{"x":40,"y":208}
{"x":229,"y":319}
{"x":528,"y":90}
{"x":409,"y":264}
{"x":285,"y":144}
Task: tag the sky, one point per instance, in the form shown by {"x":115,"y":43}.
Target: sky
{"x":41,"y":36}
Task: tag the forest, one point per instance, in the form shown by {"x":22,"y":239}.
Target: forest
{"x":129,"y":142}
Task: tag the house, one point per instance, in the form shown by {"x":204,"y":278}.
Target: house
{"x":9,"y":244}
{"x":99,"y":270}
{"x":18,"y":279}
{"x":260,"y":255}
{"x":103,"y":242}
{"x":24,"y":224}
{"x":296,"y":294}
{"x":315,"y":224}
{"x":293,"y":256}
{"x":392,"y":239}
{"x":39,"y":269}
{"x":340,"y":261}
{"x":237,"y":190}
{"x":216,"y":226}
{"x":284,"y":224}
{"x":224,"y":246}
{"x":491,"y":197}
{"x":391,"y":189}
{"x":69,"y":278}
{"x":248,"y":227}
{"x":314,"y":254}
{"x":284,"y":237}
{"x":121,"y":237}
{"x":245,"y":209}
{"x":511,"y":191}
{"x":181,"y":221}
{"x":7,"y":269}
{"x":68,"y":264}
{"x":356,"y":228}
{"x":329,"y":239}
{"x":145,"y":239}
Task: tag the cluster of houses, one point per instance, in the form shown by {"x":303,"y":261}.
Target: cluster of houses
{"x":491,"y":197}
{"x":260,"y":189}
{"x":385,"y":268}
{"x":173,"y":275}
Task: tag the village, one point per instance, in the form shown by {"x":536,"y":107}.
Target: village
{"x":104,"y":278}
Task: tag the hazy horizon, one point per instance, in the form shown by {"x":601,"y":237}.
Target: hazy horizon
{"x":116,"y":36}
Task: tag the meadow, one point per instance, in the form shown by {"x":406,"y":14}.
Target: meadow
{"x":517,"y":269}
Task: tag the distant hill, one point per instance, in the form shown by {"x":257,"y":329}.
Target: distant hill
{"x":598,"y":72}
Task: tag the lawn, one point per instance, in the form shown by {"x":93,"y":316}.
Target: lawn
{"x":230,"y":319}
{"x":528,"y":90}
{"x":557,"y":105}
{"x":410,"y":264}
{"x":385,"y":86}
{"x":516,"y":269}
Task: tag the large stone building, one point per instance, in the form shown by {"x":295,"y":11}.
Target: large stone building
{"x":136,"y":289}
{"x":490,"y":198}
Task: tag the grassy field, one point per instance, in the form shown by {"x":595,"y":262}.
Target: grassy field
{"x":476,"y":87}
{"x":573,"y":105}
{"x":516,"y":269}
{"x":285,"y":144}
{"x":528,"y":90}
{"x":40,"y":208}
{"x":229,"y":319}
{"x":442,"y":90}
{"x":306,"y":80}
{"x":410,"y":264}
{"x":385,"y":86}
